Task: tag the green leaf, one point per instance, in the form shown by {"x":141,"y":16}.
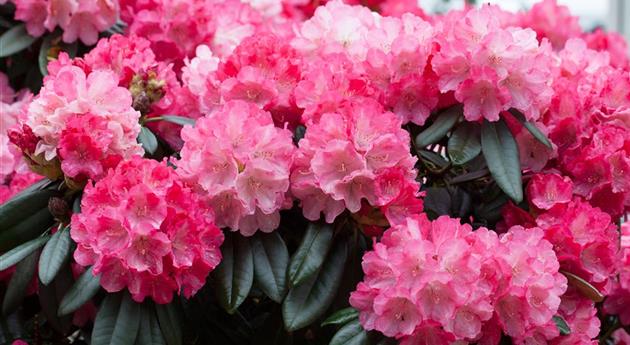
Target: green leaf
{"x":18,"y":253}
{"x":341,"y":317}
{"x":170,"y":323}
{"x":76,"y":204}
{"x":14,"y":40}
{"x":150,"y":333}
{"x":148,"y":140}
{"x":235,"y":273}
{"x":42,"y":59}
{"x":50,"y":296}
{"x":24,"y":217}
{"x":55,"y":253}
{"x":178,"y":120}
{"x":501,"y":153}
{"x":82,"y":291}
{"x":350,"y":334}
{"x":311,"y":253}
{"x":270,"y":266}
{"x":540,"y":136}
{"x":442,"y":124}
{"x":464,"y":144}
{"x":562,"y":325}
{"x":127,"y":322}
{"x":18,"y":285}
{"x":105,"y":321}
{"x":584,"y":287}
{"x":310,"y":300}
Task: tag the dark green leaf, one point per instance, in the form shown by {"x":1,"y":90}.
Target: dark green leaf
{"x":18,"y":285}
{"x":82,"y":291}
{"x":442,"y":124}
{"x":170,"y":323}
{"x":43,"y":54}
{"x":341,"y":317}
{"x":105,"y":321}
{"x":562,"y":325}
{"x":311,"y":253}
{"x":149,"y":333}
{"x":15,"y":40}
{"x":350,"y":334}
{"x":435,"y":158}
{"x":179,"y":120}
{"x":18,"y":253}
{"x":501,"y":153}
{"x":584,"y":287}
{"x":24,"y":217}
{"x":464,"y":144}
{"x":310,"y":300}
{"x":55,"y":253}
{"x":235,"y":273}
{"x":76,"y":204}
{"x":127,"y":322}
{"x":50,"y":296}
{"x":531,"y":128}
{"x":270,"y":266}
{"x":471,"y":176}
{"x":437,"y":201}
{"x":148,"y":140}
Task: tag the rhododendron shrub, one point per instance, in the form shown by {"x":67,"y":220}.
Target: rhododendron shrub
{"x":311,"y":172}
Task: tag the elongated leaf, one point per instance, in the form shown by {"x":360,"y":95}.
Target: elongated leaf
{"x":501,"y":153}
{"x":76,"y":204}
{"x":21,"y":279}
{"x":270,"y":266}
{"x":170,"y":323}
{"x":55,"y":253}
{"x":127,"y":322}
{"x":464,"y":144}
{"x":24,"y":217}
{"x":443,"y":123}
{"x":82,"y":291}
{"x":49,"y":297}
{"x":531,"y":128}
{"x":562,"y":325}
{"x":148,"y":140}
{"x":149,"y":333}
{"x":235,"y":273}
{"x":473,"y":175}
{"x":105,"y":321}
{"x":179,"y":120}
{"x":341,"y":317}
{"x":14,"y":40}
{"x":584,"y":287}
{"x":311,"y":253}
{"x":18,"y":253}
{"x":42,"y":59}
{"x":350,"y":334}
{"x":310,"y":300}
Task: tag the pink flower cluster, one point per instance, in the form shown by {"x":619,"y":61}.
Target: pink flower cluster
{"x":83,"y":120}
{"x":143,"y":229}
{"x":241,"y":162}
{"x":358,"y":153}
{"x":15,"y":174}
{"x":418,"y":281}
{"x":618,"y":301}
{"x":78,"y":19}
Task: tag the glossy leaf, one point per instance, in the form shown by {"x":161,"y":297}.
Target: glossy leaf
{"x":179,"y":120}
{"x":562,"y":325}
{"x":584,"y":287}
{"x":82,"y":291}
{"x":15,"y":40}
{"x":170,"y":323}
{"x":235,"y":273}
{"x":350,"y":334}
{"x":308,"y":301}
{"x":149,"y":333}
{"x":464,"y":144}
{"x":127,"y":322}
{"x":55,"y":253}
{"x":341,"y":317}
{"x":24,"y":217}
{"x":540,"y":136}
{"x":270,"y":265}
{"x":148,"y":140}
{"x":18,"y":253}
{"x":18,"y":285}
{"x":49,"y":297}
{"x":311,"y":253}
{"x":438,"y":129}
{"x":501,"y":153}
{"x":105,"y":321}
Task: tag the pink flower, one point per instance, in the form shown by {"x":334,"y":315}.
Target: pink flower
{"x":552,"y":21}
{"x":131,"y":230}
{"x":547,"y":190}
{"x":342,"y":156}
{"x":241,"y":162}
